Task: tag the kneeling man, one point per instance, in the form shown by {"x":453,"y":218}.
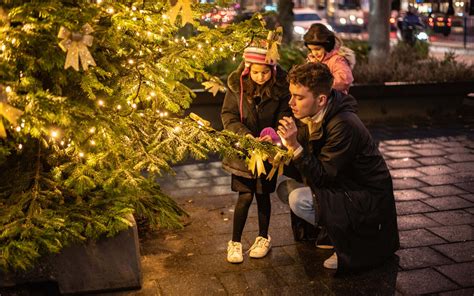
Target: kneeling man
{"x":349,"y":188}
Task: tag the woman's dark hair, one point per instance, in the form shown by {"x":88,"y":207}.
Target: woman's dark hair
{"x":315,"y":76}
{"x":255,"y":89}
{"x":319,"y":34}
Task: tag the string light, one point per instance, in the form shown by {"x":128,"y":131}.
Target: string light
{"x":62,"y":143}
{"x":134,"y":8}
{"x":110,"y":10}
{"x":81,"y":154}
{"x":119,"y":107}
{"x":100,"y":103}
{"x":134,"y":106}
{"x":8,"y":89}
{"x":54,"y":134}
{"x":99,"y":1}
{"x":131,"y":61}
{"x":92,"y":142}
{"x":153,"y":94}
{"x":18,"y":129}
{"x":92,"y":130}
{"x":20,"y":146}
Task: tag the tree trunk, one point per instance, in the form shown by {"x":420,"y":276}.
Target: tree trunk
{"x":286,"y":17}
{"x":379,"y":31}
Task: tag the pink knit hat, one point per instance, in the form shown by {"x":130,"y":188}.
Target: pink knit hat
{"x":257,"y":55}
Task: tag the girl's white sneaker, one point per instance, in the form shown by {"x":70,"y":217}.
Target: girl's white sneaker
{"x":234,"y":252}
{"x":261,"y":247}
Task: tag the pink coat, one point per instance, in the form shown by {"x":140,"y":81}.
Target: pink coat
{"x":340,"y":69}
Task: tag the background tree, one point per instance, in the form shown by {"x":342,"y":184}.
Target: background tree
{"x":93,"y":138}
{"x":286,"y":17}
{"x":379,"y":31}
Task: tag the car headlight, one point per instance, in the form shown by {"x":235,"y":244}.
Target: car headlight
{"x":343,"y":21}
{"x":299,"y":30}
{"x":360,"y":21}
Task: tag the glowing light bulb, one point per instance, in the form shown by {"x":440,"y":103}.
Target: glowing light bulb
{"x":119,"y":107}
{"x":110,"y":10}
{"x":99,"y":1}
{"x":81,"y":154}
{"x":100,"y":103}
{"x":134,"y":106}
{"x":8,"y":89}
{"x":92,"y":130}
{"x":62,"y":143}
{"x":131,"y":62}
{"x":18,"y":129}
{"x":54,"y":134}
{"x":199,"y":46}
{"x":92,"y":142}
{"x":153,"y":94}
{"x":20,"y":146}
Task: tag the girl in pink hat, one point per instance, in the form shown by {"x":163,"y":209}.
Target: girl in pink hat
{"x":257,"y":98}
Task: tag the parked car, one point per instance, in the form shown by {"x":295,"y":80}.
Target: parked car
{"x":304,"y":18}
{"x":440,"y":23}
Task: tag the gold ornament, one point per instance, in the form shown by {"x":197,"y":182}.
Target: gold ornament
{"x":10,"y":113}
{"x":186,"y":14}
{"x":75,"y":44}
{"x":274,"y":39}
{"x":214,"y":85}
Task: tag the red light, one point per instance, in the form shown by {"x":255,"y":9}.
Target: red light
{"x":392,"y":20}
{"x":440,"y":19}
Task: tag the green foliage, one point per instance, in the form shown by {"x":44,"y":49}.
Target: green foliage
{"x":74,"y":167}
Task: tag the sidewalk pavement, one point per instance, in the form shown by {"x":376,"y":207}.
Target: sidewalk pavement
{"x":433,"y":176}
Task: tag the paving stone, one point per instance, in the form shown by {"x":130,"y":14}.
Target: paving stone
{"x":456,"y":217}
{"x":460,"y":292}
{"x":469,"y":187}
{"x":293,"y":274}
{"x":414,"y":222}
{"x":233,"y":282}
{"x":412,"y":207}
{"x":402,"y":163}
{"x":461,"y":157}
{"x":213,"y":172}
{"x":430,"y":152}
{"x":407,"y":183}
{"x":433,"y":160}
{"x":436,"y":170}
{"x":427,"y":146}
{"x":409,"y":194}
{"x":456,"y":233}
{"x":469,"y":196}
{"x":448,"y":203}
{"x":414,"y":258}
{"x":459,"y":252}
{"x":457,"y":150}
{"x":397,"y":148}
{"x":462,"y":166}
{"x":400,"y":154}
{"x":418,"y":238}
{"x":398,"y":142}
{"x":442,"y":190}
{"x":460,"y":273}
{"x":268,"y":278}
{"x":452,"y":144}
{"x":192,"y":284}
{"x":423,"y":281}
{"x":464,"y":177}
{"x":438,"y":180}
{"x":405,"y":173}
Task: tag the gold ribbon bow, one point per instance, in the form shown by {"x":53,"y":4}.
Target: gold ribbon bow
{"x":256,"y":162}
{"x":274,"y":39}
{"x":10,"y":113}
{"x":186,"y":15}
{"x":75,"y":44}
{"x":279,"y":163}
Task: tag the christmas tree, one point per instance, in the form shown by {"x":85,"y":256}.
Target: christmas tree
{"x":91,"y":113}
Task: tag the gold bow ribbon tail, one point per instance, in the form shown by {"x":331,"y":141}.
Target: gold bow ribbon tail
{"x":186,"y":14}
{"x":75,"y":44}
{"x":274,"y":39}
{"x":199,"y":120}
{"x":10,"y":113}
{"x":279,"y":162}
{"x":256,"y":163}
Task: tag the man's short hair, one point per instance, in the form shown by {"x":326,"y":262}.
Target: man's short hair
{"x":315,"y":76}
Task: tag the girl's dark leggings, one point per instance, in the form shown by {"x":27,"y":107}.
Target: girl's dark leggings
{"x":242,"y":209}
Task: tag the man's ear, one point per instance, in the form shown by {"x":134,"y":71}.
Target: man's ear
{"x":323,"y":100}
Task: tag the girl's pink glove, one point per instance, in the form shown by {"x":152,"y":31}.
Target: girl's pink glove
{"x":268,"y":131}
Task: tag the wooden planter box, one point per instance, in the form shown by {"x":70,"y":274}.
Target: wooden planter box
{"x":104,"y":265}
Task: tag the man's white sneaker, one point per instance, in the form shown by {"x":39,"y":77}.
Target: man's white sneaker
{"x":234,"y":252}
{"x":261,"y":247}
{"x":331,"y":262}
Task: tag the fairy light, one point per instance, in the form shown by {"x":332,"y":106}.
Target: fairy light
{"x":131,"y":61}
{"x":22,"y":125}
{"x":220,"y":49}
{"x":20,"y":146}
{"x":176,"y":40}
{"x":8,"y":89}
{"x":92,"y":130}
{"x":99,"y":2}
{"x":134,"y":18}
{"x":100,"y":103}
{"x":134,"y":8}
{"x":92,"y":142}
{"x":54,"y":134}
{"x":134,"y":106}
{"x":110,"y":10}
{"x":18,"y":129}
{"x":13,"y":40}
{"x":213,"y":48}
{"x":164,"y":16}
{"x":119,"y":107}
{"x":153,"y":94}
{"x":3,"y":47}
{"x":81,"y":154}
{"x":177,"y":129}
{"x":233,"y":59}
{"x":62,"y":143}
